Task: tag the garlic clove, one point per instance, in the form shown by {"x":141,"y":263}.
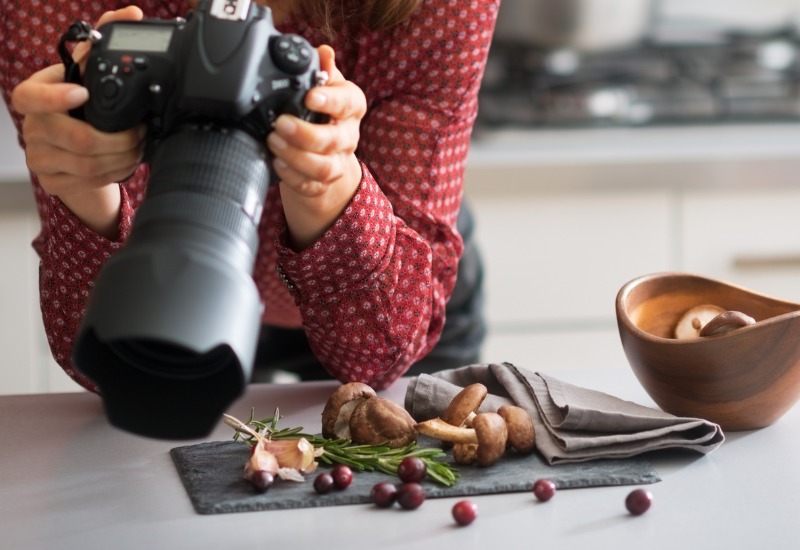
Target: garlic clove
{"x":298,"y":454}
{"x":290,"y":474}
{"x":260,"y":460}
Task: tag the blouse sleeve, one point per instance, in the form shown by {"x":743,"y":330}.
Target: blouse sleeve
{"x":373,"y":290}
{"x":71,"y":259}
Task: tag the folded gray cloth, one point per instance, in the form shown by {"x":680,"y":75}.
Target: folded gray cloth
{"x":572,"y":424}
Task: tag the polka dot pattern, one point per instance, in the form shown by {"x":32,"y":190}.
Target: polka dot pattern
{"x":371,"y":292}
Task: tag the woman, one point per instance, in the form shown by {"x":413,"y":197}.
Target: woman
{"x":382,"y":181}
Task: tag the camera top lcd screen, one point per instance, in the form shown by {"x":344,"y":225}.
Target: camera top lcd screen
{"x":140,"y":38}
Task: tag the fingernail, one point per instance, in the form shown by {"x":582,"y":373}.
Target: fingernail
{"x":279,"y":164}
{"x":285,"y":125}
{"x":277,"y":142}
{"x":77,"y":96}
{"x":316,"y":100}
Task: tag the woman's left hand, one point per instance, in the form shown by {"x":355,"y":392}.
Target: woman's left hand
{"x":316,"y":163}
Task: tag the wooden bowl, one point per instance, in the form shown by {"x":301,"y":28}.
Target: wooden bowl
{"x":742,"y":380}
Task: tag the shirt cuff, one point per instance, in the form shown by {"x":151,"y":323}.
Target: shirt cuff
{"x":348,"y":254}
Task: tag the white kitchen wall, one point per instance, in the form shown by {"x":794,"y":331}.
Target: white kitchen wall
{"x":12,"y":160}
{"x":25,"y":361}
{"x":741,"y":14}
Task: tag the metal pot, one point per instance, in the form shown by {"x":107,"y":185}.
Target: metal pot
{"x":587,"y":25}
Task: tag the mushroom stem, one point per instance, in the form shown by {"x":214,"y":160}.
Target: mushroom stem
{"x":468,"y":421}
{"x":438,"y":428}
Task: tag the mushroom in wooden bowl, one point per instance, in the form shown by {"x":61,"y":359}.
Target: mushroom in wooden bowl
{"x":709,"y":349}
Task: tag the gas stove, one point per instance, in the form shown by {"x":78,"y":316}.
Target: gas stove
{"x":664,"y":80}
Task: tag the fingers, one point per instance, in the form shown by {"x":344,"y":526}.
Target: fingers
{"x":49,"y":158}
{"x":130,"y":13}
{"x":63,"y":132}
{"x":305,"y":151}
{"x":340,"y":98}
{"x":46,"y":92}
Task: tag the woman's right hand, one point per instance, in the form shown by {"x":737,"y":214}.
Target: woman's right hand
{"x":72,"y":160}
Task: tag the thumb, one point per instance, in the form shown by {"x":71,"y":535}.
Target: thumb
{"x":327,"y":63}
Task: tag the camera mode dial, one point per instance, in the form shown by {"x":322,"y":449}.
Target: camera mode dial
{"x":116,"y":85}
{"x":291,"y":53}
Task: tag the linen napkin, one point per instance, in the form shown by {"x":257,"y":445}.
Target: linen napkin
{"x":573,"y":424}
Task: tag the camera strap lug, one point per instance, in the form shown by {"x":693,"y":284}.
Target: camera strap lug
{"x":79,"y":31}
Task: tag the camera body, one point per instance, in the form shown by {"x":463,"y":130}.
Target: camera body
{"x":171,"y":328}
{"x":225,"y":62}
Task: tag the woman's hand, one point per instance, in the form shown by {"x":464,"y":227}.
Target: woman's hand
{"x":71,"y":159}
{"x":316,"y":163}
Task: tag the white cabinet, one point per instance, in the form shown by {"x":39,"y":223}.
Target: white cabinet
{"x":560,"y":257}
{"x":27,"y":365}
{"x":749,"y":237}
{"x":17,"y":294}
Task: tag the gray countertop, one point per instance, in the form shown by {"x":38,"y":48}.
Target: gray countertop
{"x":666,"y":157}
{"x":70,"y":481}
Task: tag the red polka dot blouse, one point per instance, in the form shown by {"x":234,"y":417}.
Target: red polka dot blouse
{"x":371,"y":292}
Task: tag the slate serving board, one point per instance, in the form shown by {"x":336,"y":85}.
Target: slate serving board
{"x":212,"y":476}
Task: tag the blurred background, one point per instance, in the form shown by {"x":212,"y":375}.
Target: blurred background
{"x":615,"y":138}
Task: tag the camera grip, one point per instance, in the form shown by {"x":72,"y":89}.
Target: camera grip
{"x":115,"y":89}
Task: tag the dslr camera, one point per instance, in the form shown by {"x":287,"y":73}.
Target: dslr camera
{"x":171,"y":328}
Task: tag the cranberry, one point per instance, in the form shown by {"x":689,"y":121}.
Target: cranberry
{"x":411,"y":495}
{"x":544,"y":489}
{"x":323,"y":483}
{"x":412,"y":468}
{"x":638,"y":501}
{"x":465,"y":512}
{"x":261,"y":480}
{"x":342,"y":476}
{"x":383,"y":494}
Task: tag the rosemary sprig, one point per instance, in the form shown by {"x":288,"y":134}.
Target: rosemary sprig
{"x":361,"y":457}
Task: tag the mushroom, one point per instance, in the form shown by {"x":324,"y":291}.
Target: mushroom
{"x":492,"y":437}
{"x":726,"y":321}
{"x":521,"y":432}
{"x":694,"y":319}
{"x":464,"y":405}
{"x":339,"y":408}
{"x":488,"y":433}
{"x":379,"y":421}
{"x":465,"y":453}
{"x":441,"y":430}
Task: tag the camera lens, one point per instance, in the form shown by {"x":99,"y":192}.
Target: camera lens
{"x":172,"y":327}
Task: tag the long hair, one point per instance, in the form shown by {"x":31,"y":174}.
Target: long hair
{"x":330,"y":15}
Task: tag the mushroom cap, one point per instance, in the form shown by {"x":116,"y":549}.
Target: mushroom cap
{"x":521,"y":432}
{"x":465,"y":403}
{"x":726,"y":321}
{"x":492,"y":434}
{"x":465,"y":453}
{"x":379,"y":421}
{"x":340,"y":405}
